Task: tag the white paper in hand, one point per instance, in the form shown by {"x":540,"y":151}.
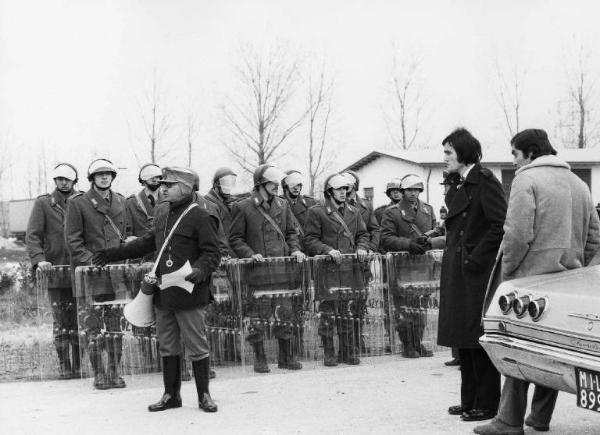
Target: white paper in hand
{"x":177,"y":278}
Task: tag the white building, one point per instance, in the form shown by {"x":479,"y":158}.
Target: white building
{"x":376,"y":168}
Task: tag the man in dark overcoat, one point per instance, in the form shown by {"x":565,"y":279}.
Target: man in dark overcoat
{"x":221,"y":196}
{"x":140,"y":205}
{"x":476,"y":212}
{"x":262,"y":226}
{"x":392,"y":191}
{"x":46,"y":247}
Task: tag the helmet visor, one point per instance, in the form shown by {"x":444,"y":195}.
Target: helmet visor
{"x":227,"y":183}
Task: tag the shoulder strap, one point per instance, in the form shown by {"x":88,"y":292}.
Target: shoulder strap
{"x":297,"y":225}
{"x":337,"y":216}
{"x":140,"y":203}
{"x":166,"y":242}
{"x":271,"y":221}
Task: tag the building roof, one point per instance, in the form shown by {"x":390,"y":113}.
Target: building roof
{"x":495,"y":156}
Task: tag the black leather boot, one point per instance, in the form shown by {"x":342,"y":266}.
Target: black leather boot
{"x":115,"y":346}
{"x":201,"y":376}
{"x":288,"y":358}
{"x":75,"y":359}
{"x":260,"y":359}
{"x":172,"y":381}
{"x":100,"y":380}
{"x":329,"y":358}
{"x":64,"y":362}
{"x":348,"y":353}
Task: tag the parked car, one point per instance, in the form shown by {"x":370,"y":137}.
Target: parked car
{"x":546,"y":329}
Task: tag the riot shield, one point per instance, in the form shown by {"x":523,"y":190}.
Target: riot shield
{"x":413,"y":300}
{"x":273,"y":298}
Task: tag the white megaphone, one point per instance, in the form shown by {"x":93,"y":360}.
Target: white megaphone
{"x":139,"y":311}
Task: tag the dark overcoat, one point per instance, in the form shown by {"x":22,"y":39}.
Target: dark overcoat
{"x":368,"y":217}
{"x":399,"y":224}
{"x":45,"y":237}
{"x":324,"y":232}
{"x":87,"y":225}
{"x":300,"y":208}
{"x":476,"y":212}
{"x":139,"y":213}
{"x":251,"y":233}
{"x":195,"y":240}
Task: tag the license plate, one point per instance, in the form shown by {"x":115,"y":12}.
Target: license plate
{"x":588,"y":389}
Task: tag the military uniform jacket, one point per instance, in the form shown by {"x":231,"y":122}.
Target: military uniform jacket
{"x":195,"y":240}
{"x":368,"y":217}
{"x":87,"y":228}
{"x":45,"y":237}
{"x":476,"y":212}
{"x":325,"y":233}
{"x":400,"y":222}
{"x":139,"y":213}
{"x":213,"y":210}
{"x":252,"y":234}
{"x":379,"y":213}
{"x":222,"y":210}
{"x":300,"y":209}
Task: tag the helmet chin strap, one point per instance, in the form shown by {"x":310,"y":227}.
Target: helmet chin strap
{"x":153,"y":187}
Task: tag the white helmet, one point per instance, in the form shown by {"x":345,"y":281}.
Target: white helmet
{"x":292,"y":178}
{"x":412,"y":181}
{"x":149,"y":170}
{"x":101,"y":165}
{"x":65,"y":170}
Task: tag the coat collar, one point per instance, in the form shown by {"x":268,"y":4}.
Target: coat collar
{"x":275,"y":208}
{"x":548,"y":160}
{"x":461,"y":199}
{"x":103,"y":206}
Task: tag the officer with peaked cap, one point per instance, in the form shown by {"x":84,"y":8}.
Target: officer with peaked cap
{"x":408,"y":226}
{"x":335,"y":228}
{"x":46,"y":247}
{"x":180,"y":313}
{"x":97,"y":220}
{"x":392,"y":191}
{"x":262,"y":226}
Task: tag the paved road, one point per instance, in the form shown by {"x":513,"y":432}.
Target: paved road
{"x":383,"y":395}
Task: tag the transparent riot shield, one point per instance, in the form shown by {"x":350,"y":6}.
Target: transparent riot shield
{"x":224,"y":320}
{"x":112,"y":350}
{"x":346,"y":309}
{"x":57,"y":344}
{"x":272,"y":295}
{"x":413,"y":298}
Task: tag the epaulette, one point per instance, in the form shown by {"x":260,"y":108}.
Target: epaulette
{"x":351,"y":208}
{"x":76,"y":195}
{"x":43,"y":196}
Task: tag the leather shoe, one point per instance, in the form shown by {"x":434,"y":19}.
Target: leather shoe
{"x":478,"y":415}
{"x":539,"y":427}
{"x":165,"y":402}
{"x":452,"y":362}
{"x":456,"y":410}
{"x":207,"y":404}
{"x":496,"y":427}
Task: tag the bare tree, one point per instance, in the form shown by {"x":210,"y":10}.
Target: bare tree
{"x":578,"y":122}
{"x":156,"y":124}
{"x":319,"y":114}
{"x":192,"y":125}
{"x":510,"y":95}
{"x":404,"y":115}
{"x":259,"y":118}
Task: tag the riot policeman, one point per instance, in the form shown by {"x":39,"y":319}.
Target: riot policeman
{"x":409,"y":226}
{"x":365,"y":208}
{"x":97,"y":219}
{"x":335,"y":228}
{"x":46,"y":247}
{"x":299,"y":203}
{"x":221,"y":196}
{"x":263,"y":226}
{"x":392,"y":191}
{"x":140,"y":206}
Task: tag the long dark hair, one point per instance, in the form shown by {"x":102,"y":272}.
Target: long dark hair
{"x":467,"y":147}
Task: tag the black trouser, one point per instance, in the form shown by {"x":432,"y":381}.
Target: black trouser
{"x":411,"y":319}
{"x":103,"y":331}
{"x":286,"y":312}
{"x":64,"y":330}
{"x":480,"y":381}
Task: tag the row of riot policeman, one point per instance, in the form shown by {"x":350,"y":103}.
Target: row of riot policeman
{"x":256,"y":226}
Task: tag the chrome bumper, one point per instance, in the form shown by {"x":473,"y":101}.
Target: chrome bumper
{"x":538,"y":363}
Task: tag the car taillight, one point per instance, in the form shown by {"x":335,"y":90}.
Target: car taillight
{"x":520,"y":305}
{"x":536,"y":308}
{"x":506,"y":302}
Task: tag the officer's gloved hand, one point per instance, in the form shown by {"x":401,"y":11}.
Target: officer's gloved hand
{"x":44,"y":266}
{"x":299,"y":256}
{"x":335,"y":255}
{"x":100,"y":258}
{"x":197,"y":276}
{"x":416,"y":248}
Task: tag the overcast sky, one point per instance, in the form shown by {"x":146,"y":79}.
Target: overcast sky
{"x":72,"y":73}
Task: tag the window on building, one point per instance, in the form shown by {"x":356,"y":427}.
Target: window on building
{"x":368,"y":193}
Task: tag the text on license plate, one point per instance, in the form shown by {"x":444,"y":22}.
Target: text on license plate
{"x":588,"y":389}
